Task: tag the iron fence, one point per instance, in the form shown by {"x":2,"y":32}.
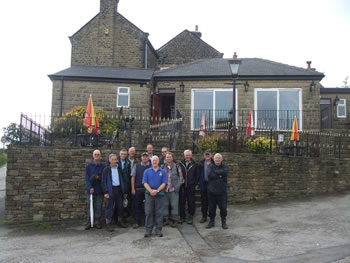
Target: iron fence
{"x":136,"y":127}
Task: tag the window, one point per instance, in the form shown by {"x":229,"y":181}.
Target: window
{"x":341,"y":108}
{"x":123,"y":97}
{"x":276,"y":108}
{"x":216,"y":104}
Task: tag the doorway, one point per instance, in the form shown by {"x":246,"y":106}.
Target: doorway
{"x":326,"y":113}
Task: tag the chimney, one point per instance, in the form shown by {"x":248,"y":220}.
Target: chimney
{"x":108,"y":7}
{"x":235,"y":57}
{"x":196,"y":32}
{"x":309,"y":68}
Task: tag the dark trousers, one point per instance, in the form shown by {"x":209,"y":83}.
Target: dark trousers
{"x":204,"y":203}
{"x":97,"y":206}
{"x":221,"y":201}
{"x":139,"y":199}
{"x":154,"y":208}
{"x":187,"y":195}
{"x":114,"y":205}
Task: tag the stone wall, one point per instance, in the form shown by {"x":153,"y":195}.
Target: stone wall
{"x":46,"y":183}
{"x":184,"y":48}
{"x":104,"y":94}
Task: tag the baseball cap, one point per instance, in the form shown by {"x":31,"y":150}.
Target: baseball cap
{"x":206,"y":152}
{"x":144,"y":153}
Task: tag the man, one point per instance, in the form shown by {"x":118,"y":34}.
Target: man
{"x":93,"y":177}
{"x":149,"y":150}
{"x":131,"y":157}
{"x":154,"y":180}
{"x":217,"y":192}
{"x":137,"y":188}
{"x":187,"y":191}
{"x":162,"y":160}
{"x":204,"y":167}
{"x":114,"y":188}
{"x":175,"y":179}
{"x":124,"y":163}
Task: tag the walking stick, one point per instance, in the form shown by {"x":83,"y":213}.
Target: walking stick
{"x":91,"y":211}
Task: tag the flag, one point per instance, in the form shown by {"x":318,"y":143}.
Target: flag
{"x":203,"y":128}
{"x":295,"y":135}
{"x":250,"y":129}
{"x":91,"y":121}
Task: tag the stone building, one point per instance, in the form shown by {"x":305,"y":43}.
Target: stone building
{"x":113,"y":60}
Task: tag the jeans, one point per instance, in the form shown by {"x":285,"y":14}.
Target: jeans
{"x":221,"y":201}
{"x":187,"y":195}
{"x":97,"y":206}
{"x":114,"y":204}
{"x":172,"y":199}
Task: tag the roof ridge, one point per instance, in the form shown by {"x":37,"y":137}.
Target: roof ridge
{"x":284,"y":64}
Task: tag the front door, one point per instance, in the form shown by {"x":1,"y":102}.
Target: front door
{"x":167,"y":103}
{"x":326,"y":113}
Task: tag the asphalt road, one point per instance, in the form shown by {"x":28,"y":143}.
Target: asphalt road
{"x":307,"y":230}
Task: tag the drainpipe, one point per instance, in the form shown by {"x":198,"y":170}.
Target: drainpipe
{"x":145,"y":54}
{"x":62,"y":88}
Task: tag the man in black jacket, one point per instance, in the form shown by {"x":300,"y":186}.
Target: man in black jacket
{"x":217,"y":192}
{"x":190,"y":173}
{"x":115,"y":189}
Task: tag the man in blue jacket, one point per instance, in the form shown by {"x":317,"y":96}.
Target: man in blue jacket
{"x":93,"y":177}
{"x":115,"y":189}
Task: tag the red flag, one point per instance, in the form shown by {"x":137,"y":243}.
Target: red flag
{"x":250,"y":129}
{"x":295,"y":136}
{"x":203,"y":128}
{"x":91,"y":121}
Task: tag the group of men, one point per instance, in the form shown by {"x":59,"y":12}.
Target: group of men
{"x":156,"y":190}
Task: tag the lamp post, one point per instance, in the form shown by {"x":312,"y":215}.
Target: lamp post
{"x":234,"y":65}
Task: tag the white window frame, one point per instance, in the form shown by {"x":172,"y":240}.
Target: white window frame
{"x":278,"y":104}
{"x":341,"y":105}
{"x":123,"y":94}
{"x":214,"y":103}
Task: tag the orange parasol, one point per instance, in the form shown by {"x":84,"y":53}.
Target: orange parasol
{"x":91,"y":121}
{"x":295,"y":135}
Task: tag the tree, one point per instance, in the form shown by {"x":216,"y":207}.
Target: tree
{"x":11,"y":133}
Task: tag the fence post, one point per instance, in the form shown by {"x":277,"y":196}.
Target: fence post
{"x":76,"y":131}
{"x":30,"y":132}
{"x":339,"y":146}
{"x":20,"y":130}
{"x":271,"y":141}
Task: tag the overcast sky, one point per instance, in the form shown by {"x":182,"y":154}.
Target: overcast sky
{"x":35,"y":37}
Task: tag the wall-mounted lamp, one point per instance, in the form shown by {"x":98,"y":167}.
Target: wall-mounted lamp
{"x":246,"y":86}
{"x":336,"y":100}
{"x":107,"y":31}
{"x":312,"y":86}
{"x":182,"y":86}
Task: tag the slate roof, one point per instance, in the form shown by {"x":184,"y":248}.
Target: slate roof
{"x":104,"y":74}
{"x":250,"y":68}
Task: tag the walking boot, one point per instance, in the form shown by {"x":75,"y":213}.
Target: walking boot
{"x":211,"y":223}
{"x":223,"y":223}
{"x":203,"y":220}
{"x":166,"y":221}
{"x":190,"y":220}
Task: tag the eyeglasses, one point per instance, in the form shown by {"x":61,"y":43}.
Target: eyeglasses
{"x":96,"y":154}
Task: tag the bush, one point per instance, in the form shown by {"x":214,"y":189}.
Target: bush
{"x":260,"y":145}
{"x":11,"y":134}
{"x":3,"y":158}
{"x":214,"y":143}
{"x":72,"y":123}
